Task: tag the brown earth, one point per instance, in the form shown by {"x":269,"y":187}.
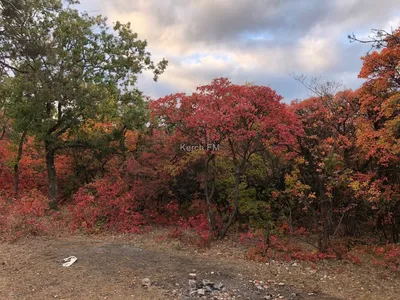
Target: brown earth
{"x":113,"y":267}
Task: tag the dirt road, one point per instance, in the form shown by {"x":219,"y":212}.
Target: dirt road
{"x":111,"y":267}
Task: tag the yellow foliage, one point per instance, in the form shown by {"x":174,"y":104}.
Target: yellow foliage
{"x":131,"y":139}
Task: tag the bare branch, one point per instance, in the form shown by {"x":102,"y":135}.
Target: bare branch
{"x":378,"y":40}
{"x":318,"y":86}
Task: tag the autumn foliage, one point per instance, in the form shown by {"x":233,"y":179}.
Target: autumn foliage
{"x":226,"y":159}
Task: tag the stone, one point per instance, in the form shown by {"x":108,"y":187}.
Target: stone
{"x":201,"y":292}
{"x":192,"y":283}
{"x":218,"y":286}
{"x":208,"y":282}
{"x":192,"y":276}
{"x":146,"y":282}
{"x":193,"y":292}
{"x":208,"y":288}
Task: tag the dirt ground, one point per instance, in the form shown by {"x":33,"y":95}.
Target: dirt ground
{"x":113,"y":267}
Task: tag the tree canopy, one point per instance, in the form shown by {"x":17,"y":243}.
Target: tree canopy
{"x":62,"y":68}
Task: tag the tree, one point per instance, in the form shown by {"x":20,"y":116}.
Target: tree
{"x":65,"y":66}
{"x":328,"y":154}
{"x":379,"y":121}
{"x":245,"y":119}
{"x":195,"y":120}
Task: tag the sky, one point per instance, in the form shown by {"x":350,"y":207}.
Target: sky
{"x":258,"y":41}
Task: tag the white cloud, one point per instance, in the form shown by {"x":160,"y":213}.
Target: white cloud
{"x":316,"y":54}
{"x":393,"y":23}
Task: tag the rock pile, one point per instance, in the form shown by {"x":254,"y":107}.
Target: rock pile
{"x":274,"y":290}
{"x":204,"y":287}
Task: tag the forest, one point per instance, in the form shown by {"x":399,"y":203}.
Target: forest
{"x":82,"y":149}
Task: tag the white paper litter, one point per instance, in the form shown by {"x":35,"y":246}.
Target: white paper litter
{"x":69,"y":261}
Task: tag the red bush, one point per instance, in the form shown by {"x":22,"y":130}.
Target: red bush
{"x":24,"y":216}
{"x":106,"y":203}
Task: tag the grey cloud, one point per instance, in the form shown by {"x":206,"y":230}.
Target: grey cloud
{"x":281,"y":19}
{"x":221,"y":21}
{"x":262,"y":40}
{"x":224,"y":20}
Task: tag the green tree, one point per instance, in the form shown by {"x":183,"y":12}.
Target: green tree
{"x":65,"y":67}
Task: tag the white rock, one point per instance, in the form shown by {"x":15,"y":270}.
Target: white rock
{"x":146,"y":282}
{"x":201,"y":291}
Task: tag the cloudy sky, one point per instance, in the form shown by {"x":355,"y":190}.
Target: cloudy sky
{"x":259,"y":41}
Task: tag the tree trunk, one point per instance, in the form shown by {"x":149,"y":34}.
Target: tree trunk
{"x":209,"y":193}
{"x":235,"y":205}
{"x":16,"y":165}
{"x":3,"y":132}
{"x":210,"y":214}
{"x":52,"y":176}
{"x":324,"y":240}
{"x":394,"y":232}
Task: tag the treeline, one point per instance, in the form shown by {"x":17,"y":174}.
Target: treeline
{"x":75,"y":128}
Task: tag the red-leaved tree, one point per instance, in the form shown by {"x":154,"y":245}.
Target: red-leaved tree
{"x":244,"y":119}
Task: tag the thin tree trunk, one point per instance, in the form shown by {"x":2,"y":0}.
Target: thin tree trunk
{"x":52,"y":176}
{"x":325,"y":218}
{"x":209,"y":194}
{"x":394,"y":232}
{"x":210,"y":214}
{"x":16,"y":165}
{"x":235,"y":204}
{"x":3,"y":132}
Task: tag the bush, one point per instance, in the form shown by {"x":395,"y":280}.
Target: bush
{"x":24,"y":216}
